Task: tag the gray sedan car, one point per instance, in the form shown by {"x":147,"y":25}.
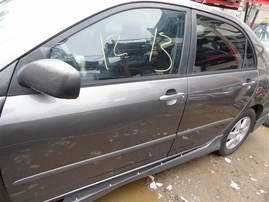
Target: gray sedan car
{"x":93,"y":96}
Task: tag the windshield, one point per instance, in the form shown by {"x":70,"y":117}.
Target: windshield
{"x":8,"y":19}
{"x":25,"y":24}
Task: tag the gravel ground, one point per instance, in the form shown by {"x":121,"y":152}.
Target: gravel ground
{"x":242,"y":176}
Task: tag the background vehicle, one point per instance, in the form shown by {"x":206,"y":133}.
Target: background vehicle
{"x":262,"y":31}
{"x":98,"y":96}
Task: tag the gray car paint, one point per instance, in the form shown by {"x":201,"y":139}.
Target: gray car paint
{"x":211,"y":106}
{"x":57,"y":152}
{"x":81,"y":135}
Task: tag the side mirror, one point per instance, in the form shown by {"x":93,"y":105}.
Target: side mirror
{"x":52,"y":77}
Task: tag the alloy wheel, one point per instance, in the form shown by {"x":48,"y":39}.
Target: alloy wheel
{"x":238,"y":132}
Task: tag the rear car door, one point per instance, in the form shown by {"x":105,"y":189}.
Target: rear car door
{"x":131,"y":101}
{"x":222,"y":79}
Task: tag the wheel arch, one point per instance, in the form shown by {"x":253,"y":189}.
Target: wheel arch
{"x":258,"y":110}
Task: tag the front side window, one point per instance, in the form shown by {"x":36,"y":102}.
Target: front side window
{"x":220,"y":46}
{"x":134,"y":43}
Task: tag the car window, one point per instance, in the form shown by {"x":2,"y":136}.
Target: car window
{"x":262,"y":31}
{"x":220,"y":46}
{"x":134,"y":43}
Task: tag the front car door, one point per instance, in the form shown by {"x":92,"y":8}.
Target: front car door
{"x":222,"y":79}
{"x":130,"y":103}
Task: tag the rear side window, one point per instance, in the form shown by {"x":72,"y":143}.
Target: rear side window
{"x":221,"y":46}
{"x":134,"y":43}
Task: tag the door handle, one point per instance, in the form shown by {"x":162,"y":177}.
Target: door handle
{"x":249,"y":83}
{"x":172,"y":97}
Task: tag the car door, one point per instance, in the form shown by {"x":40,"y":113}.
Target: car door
{"x":222,"y":79}
{"x":131,"y":101}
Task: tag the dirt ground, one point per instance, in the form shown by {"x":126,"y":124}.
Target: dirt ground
{"x":242,"y":176}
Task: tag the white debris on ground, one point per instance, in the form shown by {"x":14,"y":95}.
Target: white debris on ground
{"x":262,"y":191}
{"x":159,"y":184}
{"x":253,"y":179}
{"x":228,"y":160}
{"x":214,"y":178}
{"x":234,"y":185}
{"x":253,"y":158}
{"x":183,"y":199}
{"x":151,"y":177}
{"x":154,"y":185}
{"x":169,"y":187}
{"x":244,"y":175}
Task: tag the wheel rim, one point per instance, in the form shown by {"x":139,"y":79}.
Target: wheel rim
{"x":238,"y":132}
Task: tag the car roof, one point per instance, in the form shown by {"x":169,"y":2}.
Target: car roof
{"x":28,"y":23}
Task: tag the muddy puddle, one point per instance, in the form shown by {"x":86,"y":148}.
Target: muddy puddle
{"x":133,"y":192}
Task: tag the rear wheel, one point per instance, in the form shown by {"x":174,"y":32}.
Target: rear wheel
{"x":237,"y":133}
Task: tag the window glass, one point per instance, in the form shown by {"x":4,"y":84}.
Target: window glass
{"x":262,"y":31}
{"x":220,"y":46}
{"x":134,"y":43}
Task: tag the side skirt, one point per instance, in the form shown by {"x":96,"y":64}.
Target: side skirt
{"x":94,"y":191}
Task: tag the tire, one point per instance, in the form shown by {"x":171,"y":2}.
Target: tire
{"x":236,"y":134}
